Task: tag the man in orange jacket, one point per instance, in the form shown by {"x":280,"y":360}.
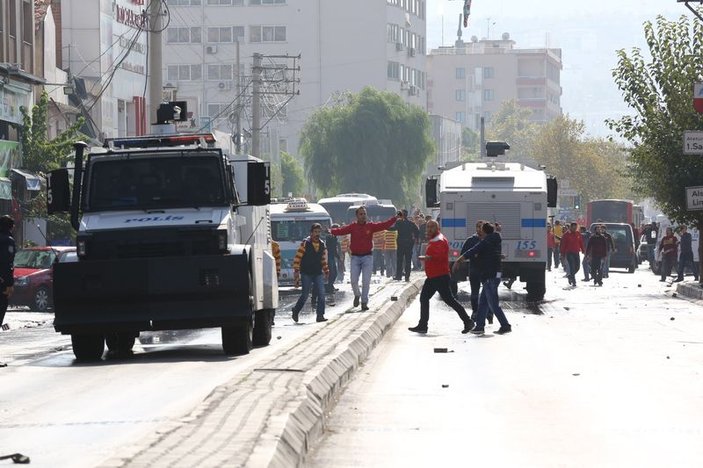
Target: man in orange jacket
{"x":436,"y":260}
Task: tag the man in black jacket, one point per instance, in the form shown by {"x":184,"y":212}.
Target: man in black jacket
{"x":408,"y":233}
{"x":488,"y":254}
{"x":474,"y":272}
{"x":7,"y":261}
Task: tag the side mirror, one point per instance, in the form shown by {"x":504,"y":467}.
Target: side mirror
{"x":431,"y":193}
{"x":58,"y":191}
{"x":258,"y":183}
{"x":552,"y":193}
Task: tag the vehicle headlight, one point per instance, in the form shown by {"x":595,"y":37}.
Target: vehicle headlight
{"x":222,"y":240}
{"x":81,"y":247}
{"x":21,"y":281}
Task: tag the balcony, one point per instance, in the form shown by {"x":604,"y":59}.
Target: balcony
{"x":531,"y":81}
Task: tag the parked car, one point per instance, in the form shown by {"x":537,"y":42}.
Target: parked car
{"x":34,"y":275}
{"x":624,"y":239}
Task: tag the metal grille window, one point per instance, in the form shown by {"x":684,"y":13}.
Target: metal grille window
{"x":215,"y":35}
{"x":183,"y":35}
{"x":184,"y":72}
{"x":267,"y":33}
{"x":507,"y":214}
{"x":219,"y":72}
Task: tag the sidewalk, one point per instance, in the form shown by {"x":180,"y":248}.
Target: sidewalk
{"x":274,"y":414}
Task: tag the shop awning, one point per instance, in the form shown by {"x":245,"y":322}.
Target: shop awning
{"x":33,"y":181}
{"x":5,"y":189}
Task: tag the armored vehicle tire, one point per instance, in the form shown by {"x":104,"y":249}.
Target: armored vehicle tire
{"x":120,"y":344}
{"x":88,"y":347}
{"x":41,"y":300}
{"x":238,"y":340}
{"x":262,"y":327}
{"x":535,"y":291}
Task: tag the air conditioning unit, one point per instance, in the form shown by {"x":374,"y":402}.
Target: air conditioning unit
{"x":224,"y":85}
{"x":211,"y":49}
{"x":411,"y":51}
{"x":413,"y":91}
{"x":399,"y":46}
{"x":404,"y":85}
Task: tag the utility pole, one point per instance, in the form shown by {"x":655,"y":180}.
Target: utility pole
{"x":155,"y":74}
{"x":686,"y":2}
{"x":238,"y":106}
{"x":256,"y":106}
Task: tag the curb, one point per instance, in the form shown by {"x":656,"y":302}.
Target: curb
{"x":690,"y":290}
{"x":272,"y":416}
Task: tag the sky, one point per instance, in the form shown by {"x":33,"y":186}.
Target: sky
{"x":588,"y":32}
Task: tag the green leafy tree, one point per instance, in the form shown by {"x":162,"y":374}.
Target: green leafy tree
{"x":512,"y":124}
{"x":371,"y":142}
{"x":470,"y":145}
{"x":292,"y":173}
{"x":657,"y":87}
{"x":41,"y":155}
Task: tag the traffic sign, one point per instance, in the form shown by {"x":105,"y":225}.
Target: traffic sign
{"x":694,"y":198}
{"x":568,"y":192}
{"x":693,"y":142}
{"x":698,"y":97}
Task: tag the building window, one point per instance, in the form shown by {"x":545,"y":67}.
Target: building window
{"x":215,"y":35}
{"x":219,"y":72}
{"x":226,"y":2}
{"x":238,"y":32}
{"x":460,"y":95}
{"x":460,"y":117}
{"x":184,"y":72}
{"x":183,"y":2}
{"x":488,"y":95}
{"x":393,"y":71}
{"x":267,"y":2}
{"x":217,"y":111}
{"x":183,"y":35}
{"x":460,"y":73}
{"x":267,"y":33}
{"x":489,"y":72}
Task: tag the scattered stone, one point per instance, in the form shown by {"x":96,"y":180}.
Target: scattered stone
{"x":567,"y":308}
{"x":576,"y":375}
{"x":441,"y":350}
{"x":672,"y":318}
{"x":674,"y":295}
{"x":394,"y":298}
{"x":278,"y":337}
{"x":667,"y":357}
{"x":639,"y":285}
{"x":445,"y":386}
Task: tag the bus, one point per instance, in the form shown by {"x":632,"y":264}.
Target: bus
{"x":614,"y":211}
{"x":337,"y":206}
{"x":290,"y":224}
{"x":376,"y":211}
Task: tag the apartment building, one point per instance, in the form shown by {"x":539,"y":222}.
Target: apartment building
{"x":471,"y":80}
{"x":344,"y":46}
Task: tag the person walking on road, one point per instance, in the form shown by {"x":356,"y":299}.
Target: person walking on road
{"x":596,"y":250}
{"x":570,"y":248}
{"x":586,"y":264}
{"x":361,"y":248}
{"x":551,"y":245}
{"x":436,"y":260}
{"x":408,"y":234}
{"x":488,"y":255}
{"x":668,"y":247}
{"x":686,"y":255}
{"x":558,"y":233}
{"x":474,"y":272}
{"x":7,"y":262}
{"x":311,"y":263}
{"x":332,"y":245}
{"x":611,"y":250}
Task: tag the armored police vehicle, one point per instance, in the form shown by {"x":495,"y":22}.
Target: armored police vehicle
{"x":172,"y":234}
{"x":512,"y":194}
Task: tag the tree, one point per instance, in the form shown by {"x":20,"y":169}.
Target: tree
{"x":658,"y":89}
{"x":512,"y":124}
{"x":470,"y":144}
{"x":292,"y":173}
{"x":41,"y":155}
{"x":372,"y":142}
{"x":595,"y":167}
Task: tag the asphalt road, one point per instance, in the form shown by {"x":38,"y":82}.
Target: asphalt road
{"x":594,"y":377}
{"x":62,"y":413}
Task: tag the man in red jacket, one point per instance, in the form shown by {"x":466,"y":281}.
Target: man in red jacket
{"x":571,"y":246}
{"x":361,"y":248}
{"x":436,"y":260}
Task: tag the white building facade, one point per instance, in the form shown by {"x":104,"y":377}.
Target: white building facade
{"x":344,"y":47}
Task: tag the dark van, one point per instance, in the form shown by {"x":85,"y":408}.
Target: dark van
{"x":625,"y":255}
